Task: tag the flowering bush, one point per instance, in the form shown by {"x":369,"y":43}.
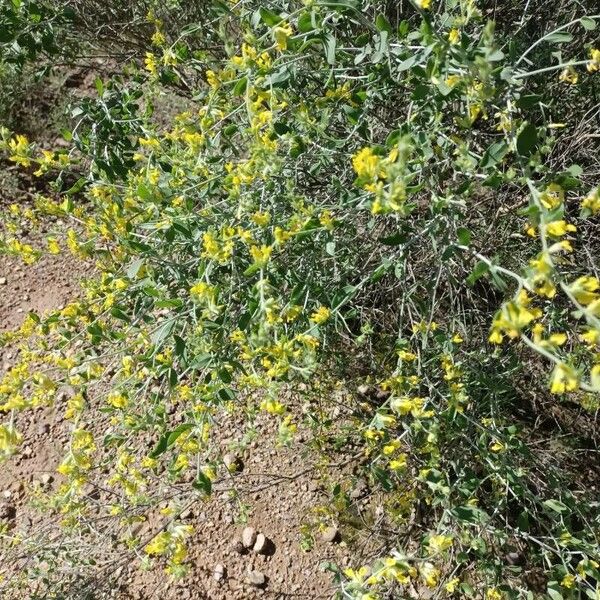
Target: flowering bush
{"x":350,"y":190}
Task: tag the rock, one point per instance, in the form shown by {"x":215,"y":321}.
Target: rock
{"x":43,"y":429}
{"x":248,"y":537}
{"x":2,"y":280}
{"x":261,"y":544}
{"x":256,"y":578}
{"x":360,"y":489}
{"x":331,"y":534}
{"x":514,"y":558}
{"x":238,"y":547}
{"x":7,"y":511}
{"x":364,"y":390}
{"x":46,"y":478}
{"x":219,"y":572}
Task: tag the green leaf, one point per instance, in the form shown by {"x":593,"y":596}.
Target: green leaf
{"x":494,"y":154}
{"x":329,"y":45}
{"x":240,"y":87}
{"x":160,"y":447}
{"x":269,"y":17}
{"x":162,"y":333}
{"x":528,"y":101}
{"x":203,"y":483}
{"x":470,"y":514}
{"x":172,"y":437}
{"x":588,"y":24}
{"x":559,"y":37}
{"x":464,"y":236}
{"x":527,"y":140}
{"x":382,"y":23}
{"x":478,"y":272}
{"x":305,"y":22}
{"x":555,"y":505}
{"x":395,"y":239}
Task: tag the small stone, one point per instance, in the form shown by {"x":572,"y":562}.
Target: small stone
{"x":248,"y":537}
{"x":43,"y":429}
{"x":46,"y":478}
{"x":363,"y":390}
{"x":219,"y":572}
{"x":7,"y":511}
{"x":261,"y":544}
{"x":256,"y":578}
{"x":2,"y":280}
{"x":515,"y":558}
{"x":331,"y":534}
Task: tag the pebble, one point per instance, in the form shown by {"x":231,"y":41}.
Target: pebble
{"x":219,"y":572}
{"x":2,"y":280}
{"x":261,"y":544}
{"x":331,"y":534}
{"x":256,"y":578}
{"x":248,"y":537}
{"x":46,"y":478}
{"x":43,"y":429}
{"x":7,"y":511}
{"x":237,"y":546}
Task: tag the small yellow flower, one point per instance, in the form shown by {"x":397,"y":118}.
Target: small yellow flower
{"x":53,"y":246}
{"x":281,"y":33}
{"x":150,"y":63}
{"x":568,"y":581}
{"x":569,"y":75}
{"x":559,"y":228}
{"x":564,"y":379}
{"x":439,"y":543}
{"x":451,"y":586}
{"x":261,"y":254}
{"x":454,"y":36}
{"x":594,"y":64}
{"x":321,"y":315}
{"x":424,"y":4}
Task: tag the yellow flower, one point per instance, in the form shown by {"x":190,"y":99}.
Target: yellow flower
{"x":399,"y":463}
{"x":261,"y":254}
{"x":158,"y":39}
{"x":150,"y":63}
{"x":594,"y":64}
{"x":366,"y":163}
{"x":568,"y":581}
{"x":552,"y":196}
{"x":439,"y":543}
{"x":281,"y":33}
{"x":451,"y":586}
{"x":262,"y":219}
{"x":559,"y":228}
{"x":10,"y":440}
{"x":424,"y":4}
{"x":429,"y":574}
{"x":493,"y":594}
{"x":564,"y":379}
{"x":592,"y":201}
{"x":585,"y":289}
{"x":53,"y":246}
{"x":454,"y":36}
{"x":321,"y":315}
{"x":569,"y":75}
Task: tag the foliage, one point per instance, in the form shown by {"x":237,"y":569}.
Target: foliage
{"x":352,"y":191}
